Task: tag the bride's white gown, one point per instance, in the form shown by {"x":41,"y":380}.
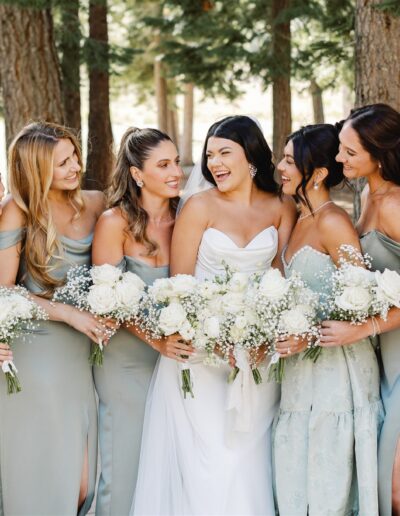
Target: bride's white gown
{"x":210,"y":455}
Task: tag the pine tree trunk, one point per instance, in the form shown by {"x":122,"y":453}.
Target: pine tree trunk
{"x":161,"y":96}
{"x":172,"y":126}
{"x":29,"y":68}
{"x":318,"y":105}
{"x":187,"y":135}
{"x":100,"y":155}
{"x":281,"y":94}
{"x":70,"y":63}
{"x":377,"y":55}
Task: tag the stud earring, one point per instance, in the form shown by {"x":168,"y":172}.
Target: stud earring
{"x":379,"y":166}
{"x":139,"y":182}
{"x":253,"y":170}
{"x":316,"y":185}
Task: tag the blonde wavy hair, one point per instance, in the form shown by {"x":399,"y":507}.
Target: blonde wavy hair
{"x":124,"y":193}
{"x":31,"y":164}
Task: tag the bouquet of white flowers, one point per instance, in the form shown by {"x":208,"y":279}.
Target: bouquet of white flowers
{"x":284,"y":307}
{"x":17,"y":317}
{"x":106,"y":292}
{"x":172,"y":306}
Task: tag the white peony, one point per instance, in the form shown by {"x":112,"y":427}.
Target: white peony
{"x":21,"y":306}
{"x":211,"y":327}
{"x":133,"y":280}
{"x":105,"y":274}
{"x":161,"y":289}
{"x":172,"y":318}
{"x":294,"y":322}
{"x":232,"y":302}
{"x":187,"y":331}
{"x":354,"y":276}
{"x":389,"y":286}
{"x":183,"y":285}
{"x":355,"y":298}
{"x":238,"y":282}
{"x":6,"y":310}
{"x":102,"y":299}
{"x":128,"y":295}
{"x":273,"y":285}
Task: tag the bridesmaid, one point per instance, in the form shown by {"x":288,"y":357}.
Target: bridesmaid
{"x":370,"y":148}
{"x":326,"y":435}
{"x":135,"y":235}
{"x":48,"y":432}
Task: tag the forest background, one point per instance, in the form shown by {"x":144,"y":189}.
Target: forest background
{"x":100,"y":66}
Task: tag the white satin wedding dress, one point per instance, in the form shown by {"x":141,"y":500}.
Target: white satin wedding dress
{"x":210,"y":455}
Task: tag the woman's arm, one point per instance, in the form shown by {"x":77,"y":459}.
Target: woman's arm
{"x":108,"y":240}
{"x":286,"y":224}
{"x":189,"y":228}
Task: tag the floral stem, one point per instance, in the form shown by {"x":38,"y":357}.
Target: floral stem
{"x":233,"y":374}
{"x":257,"y":376}
{"x":187,"y":383}
{"x":313,"y":353}
{"x":97,"y":355}
{"x":13,"y":384}
{"x":276,"y":371}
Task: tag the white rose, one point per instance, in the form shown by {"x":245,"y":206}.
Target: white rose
{"x":127,"y":295}
{"x":238,"y":282}
{"x":215,"y":305}
{"x":273,"y":285}
{"x":232,"y":302}
{"x":183,"y":285}
{"x":161,"y":289}
{"x":133,"y":280}
{"x":187,"y":331}
{"x":354,"y":276}
{"x":21,"y":306}
{"x":389,"y":284}
{"x":105,"y":274}
{"x":211,"y":327}
{"x":236,"y":333}
{"x":357,"y":299}
{"x":294,"y":322}
{"x":6,"y":310}
{"x":102,"y":299}
{"x":172,"y":318}
{"x":208,"y":289}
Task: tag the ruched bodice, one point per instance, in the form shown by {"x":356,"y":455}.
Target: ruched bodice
{"x":217,"y":248}
{"x":384,"y":251}
{"x":74,"y":252}
{"x":146,"y":272}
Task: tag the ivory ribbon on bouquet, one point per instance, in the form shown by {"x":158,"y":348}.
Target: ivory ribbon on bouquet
{"x":241,"y":397}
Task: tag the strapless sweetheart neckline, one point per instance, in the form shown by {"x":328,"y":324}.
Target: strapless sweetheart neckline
{"x":248,"y":243}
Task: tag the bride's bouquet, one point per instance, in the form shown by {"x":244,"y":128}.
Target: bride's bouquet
{"x":107,"y":293}
{"x":18,"y":314}
{"x":170,"y":306}
{"x":284,"y":307}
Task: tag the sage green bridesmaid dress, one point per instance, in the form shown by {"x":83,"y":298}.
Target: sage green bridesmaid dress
{"x":326,"y":434}
{"x":46,"y":428}
{"x":385,"y":254}
{"x":122,"y":383}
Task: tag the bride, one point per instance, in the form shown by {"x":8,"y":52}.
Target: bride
{"x":210,"y":455}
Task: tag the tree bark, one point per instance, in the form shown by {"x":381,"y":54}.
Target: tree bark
{"x":281,"y":93}
{"x":377,"y":55}
{"x":161,"y":95}
{"x":317,"y":101}
{"x":172,"y":129}
{"x":187,"y":135}
{"x":70,"y":63}
{"x":100,"y":160}
{"x":29,"y":68}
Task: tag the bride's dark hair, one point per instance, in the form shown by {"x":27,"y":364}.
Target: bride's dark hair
{"x":244,"y":131}
{"x":316,"y":146}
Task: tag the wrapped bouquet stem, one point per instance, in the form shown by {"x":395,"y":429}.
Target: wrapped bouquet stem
{"x":13,"y":383}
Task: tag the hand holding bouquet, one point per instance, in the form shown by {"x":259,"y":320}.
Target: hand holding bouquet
{"x":17,"y":317}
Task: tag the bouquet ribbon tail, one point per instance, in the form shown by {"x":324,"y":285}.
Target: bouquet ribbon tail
{"x":241,"y":397}
{"x":9,"y":367}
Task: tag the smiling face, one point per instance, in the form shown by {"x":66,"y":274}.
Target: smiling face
{"x":66,"y":167}
{"x":357,"y":162}
{"x":162,"y":172}
{"x":227,"y":162}
{"x":290,"y":175}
